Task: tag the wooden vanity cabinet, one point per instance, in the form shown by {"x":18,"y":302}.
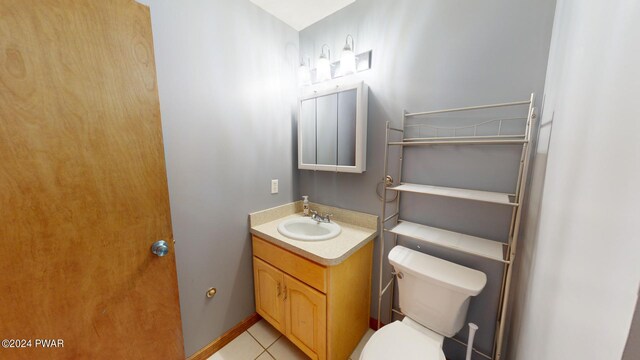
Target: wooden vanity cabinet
{"x":324,"y":310}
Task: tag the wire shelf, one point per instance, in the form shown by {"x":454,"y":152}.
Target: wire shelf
{"x":506,"y":121}
{"x":490,"y":130}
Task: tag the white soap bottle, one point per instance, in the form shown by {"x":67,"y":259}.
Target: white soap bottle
{"x":305,"y":205}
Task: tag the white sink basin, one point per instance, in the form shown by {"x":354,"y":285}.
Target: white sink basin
{"x":306,"y":229}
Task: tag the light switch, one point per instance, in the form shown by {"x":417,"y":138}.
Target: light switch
{"x":274,"y":186}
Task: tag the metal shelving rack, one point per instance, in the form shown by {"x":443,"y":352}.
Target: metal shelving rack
{"x":504,"y":253}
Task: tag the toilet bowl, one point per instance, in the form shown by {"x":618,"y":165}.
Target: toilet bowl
{"x":434,"y":296}
{"x":403,"y":341}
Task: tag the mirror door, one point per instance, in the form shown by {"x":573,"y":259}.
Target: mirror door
{"x":327,"y":130}
{"x":347,"y":128}
{"x":307,"y":137}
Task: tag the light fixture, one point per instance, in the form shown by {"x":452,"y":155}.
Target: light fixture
{"x":304,"y":74}
{"x":323,"y":69}
{"x":348,"y":58}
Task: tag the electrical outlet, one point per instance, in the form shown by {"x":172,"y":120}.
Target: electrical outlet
{"x":274,"y":186}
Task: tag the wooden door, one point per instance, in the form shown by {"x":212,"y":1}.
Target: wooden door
{"x":83,"y":189}
{"x":306,"y":318}
{"x":269,"y":286}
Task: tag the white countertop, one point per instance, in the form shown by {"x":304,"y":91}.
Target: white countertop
{"x":325,"y":252}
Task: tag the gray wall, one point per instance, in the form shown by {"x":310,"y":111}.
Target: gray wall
{"x":429,"y":55}
{"x":578,"y":276}
{"x":226,"y":74}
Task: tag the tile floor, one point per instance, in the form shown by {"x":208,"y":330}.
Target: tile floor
{"x":263,"y":342}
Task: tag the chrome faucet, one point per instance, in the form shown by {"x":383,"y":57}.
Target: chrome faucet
{"x":326,"y":218}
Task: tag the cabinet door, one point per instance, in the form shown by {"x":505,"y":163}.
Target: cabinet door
{"x":327,"y":130}
{"x":269,"y":288}
{"x":307,"y":137}
{"x":347,"y":105}
{"x":306,"y":318}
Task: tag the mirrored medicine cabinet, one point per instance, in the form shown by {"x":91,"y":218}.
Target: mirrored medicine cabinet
{"x":332,"y":129}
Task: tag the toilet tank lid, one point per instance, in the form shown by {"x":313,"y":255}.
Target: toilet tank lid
{"x":446,"y":273}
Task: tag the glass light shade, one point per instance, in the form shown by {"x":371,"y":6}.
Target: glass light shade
{"x":323,"y":69}
{"x":347,"y":62}
{"x":304,"y":75}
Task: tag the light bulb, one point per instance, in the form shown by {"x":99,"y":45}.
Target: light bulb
{"x":323,"y":70}
{"x":304,"y":75}
{"x":348,"y":58}
{"x":347,"y":62}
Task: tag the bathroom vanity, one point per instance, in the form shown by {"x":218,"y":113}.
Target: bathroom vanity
{"x":316,"y":293}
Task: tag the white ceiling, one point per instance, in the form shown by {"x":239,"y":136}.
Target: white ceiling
{"x":301,"y":13}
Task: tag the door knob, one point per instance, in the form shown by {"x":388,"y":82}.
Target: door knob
{"x":160,"y":248}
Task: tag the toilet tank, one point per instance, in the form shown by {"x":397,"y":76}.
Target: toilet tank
{"x":435,"y":292}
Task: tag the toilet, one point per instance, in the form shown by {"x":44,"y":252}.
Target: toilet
{"x":434,"y":296}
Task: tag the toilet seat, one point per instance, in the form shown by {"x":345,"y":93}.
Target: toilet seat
{"x":400,"y":341}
